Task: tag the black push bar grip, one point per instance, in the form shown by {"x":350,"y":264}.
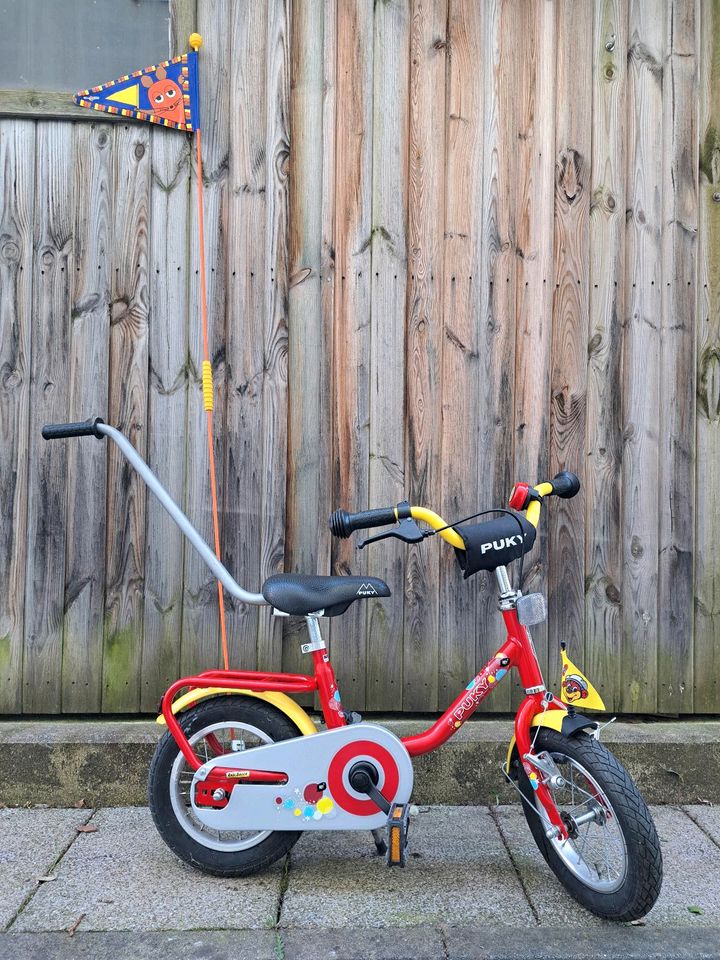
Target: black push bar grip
{"x":566,"y":485}
{"x":61,"y":431}
{"x":342,"y":523}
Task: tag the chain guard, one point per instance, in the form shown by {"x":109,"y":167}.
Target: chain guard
{"x":317,"y":795}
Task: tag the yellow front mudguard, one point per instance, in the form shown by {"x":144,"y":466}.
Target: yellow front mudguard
{"x":281,"y":701}
{"x":559,"y":720}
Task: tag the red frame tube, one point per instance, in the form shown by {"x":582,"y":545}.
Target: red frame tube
{"x":517,"y":651}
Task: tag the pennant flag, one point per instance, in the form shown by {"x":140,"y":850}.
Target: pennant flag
{"x":575,"y":688}
{"x":166,"y":93}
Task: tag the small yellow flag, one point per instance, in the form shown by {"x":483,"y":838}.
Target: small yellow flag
{"x":575,"y":688}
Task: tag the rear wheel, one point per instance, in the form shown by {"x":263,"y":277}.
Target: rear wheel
{"x":611,"y":862}
{"x":216,"y":726}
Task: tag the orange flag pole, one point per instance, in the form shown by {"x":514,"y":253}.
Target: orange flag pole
{"x":207,"y":378}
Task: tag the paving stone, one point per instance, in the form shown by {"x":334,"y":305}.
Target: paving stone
{"x":124,"y":878}
{"x":30,"y":842}
{"x":708,"y":818}
{"x":130,"y":945}
{"x":458,"y":871}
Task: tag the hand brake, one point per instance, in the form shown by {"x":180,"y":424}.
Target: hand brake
{"x":407,"y":530}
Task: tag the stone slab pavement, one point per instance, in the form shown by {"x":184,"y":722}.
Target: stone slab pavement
{"x":100,"y":883}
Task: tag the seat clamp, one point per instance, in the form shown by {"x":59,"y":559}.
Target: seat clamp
{"x":313,"y":645}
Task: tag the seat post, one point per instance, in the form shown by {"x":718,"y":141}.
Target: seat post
{"x":325,"y":675}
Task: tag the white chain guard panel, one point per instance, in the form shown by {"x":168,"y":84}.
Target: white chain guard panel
{"x":318,"y":795}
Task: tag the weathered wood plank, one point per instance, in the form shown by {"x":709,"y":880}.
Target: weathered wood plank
{"x":533,"y":90}
{"x":89,"y":339}
{"x":353,"y":228}
{"x":17,"y":190}
{"x":201,"y":633}
{"x":53,"y":266}
{"x":428,"y":58}
{"x":707,"y":514}
{"x":568,"y":384}
{"x":246,"y":312}
{"x":643,"y":277}
{"x":496,"y":334}
{"x":461,"y":326}
{"x":603,"y":479}
{"x":127,"y":410}
{"x":167,"y":410}
{"x":677,"y":377}
{"x":391,"y":48}
{"x":310,"y":300}
{"x":275,"y":335}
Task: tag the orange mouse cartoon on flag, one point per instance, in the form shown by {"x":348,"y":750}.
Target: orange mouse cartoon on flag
{"x":165,"y":96}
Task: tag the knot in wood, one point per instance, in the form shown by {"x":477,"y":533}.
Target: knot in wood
{"x":570,"y":174}
{"x":10,"y":251}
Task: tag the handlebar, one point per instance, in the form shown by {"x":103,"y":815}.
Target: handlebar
{"x":61,"y":431}
{"x":523,"y":498}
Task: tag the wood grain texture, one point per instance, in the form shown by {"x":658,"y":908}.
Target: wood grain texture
{"x":362,"y":162}
{"x":386,"y":482}
{"x":52,"y":270}
{"x":17,"y":192}
{"x":677,"y":379}
{"x":311,"y":255}
{"x":275,"y":332}
{"x":127,"y":410}
{"x":89,"y":340}
{"x":461,"y":325}
{"x":536,"y":42}
{"x":496,"y":334}
{"x":247,"y":308}
{"x":201,"y":633}
{"x":641,"y":395}
{"x":565,"y":518}
{"x":167,"y":410}
{"x":351,"y":331}
{"x":707,"y":515}
{"x":603,"y":475}
{"x":428,"y":61}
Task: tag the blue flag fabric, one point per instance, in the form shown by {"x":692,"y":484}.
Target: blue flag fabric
{"x":166,"y":93}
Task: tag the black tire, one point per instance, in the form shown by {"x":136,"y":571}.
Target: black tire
{"x":236,"y":709}
{"x":642,"y":880}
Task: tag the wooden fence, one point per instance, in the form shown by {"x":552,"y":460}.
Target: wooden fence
{"x":453,"y":244}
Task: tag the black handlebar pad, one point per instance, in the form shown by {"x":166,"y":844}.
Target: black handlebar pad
{"x":566,"y":485}
{"x":61,"y":431}
{"x":342,"y":523}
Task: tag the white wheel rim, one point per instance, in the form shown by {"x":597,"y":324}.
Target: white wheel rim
{"x":224,"y":841}
{"x":599,"y":859}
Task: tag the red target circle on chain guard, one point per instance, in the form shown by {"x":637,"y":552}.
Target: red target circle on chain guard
{"x":361,"y":748}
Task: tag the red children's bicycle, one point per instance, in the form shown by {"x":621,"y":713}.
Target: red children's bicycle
{"x":242,"y":770}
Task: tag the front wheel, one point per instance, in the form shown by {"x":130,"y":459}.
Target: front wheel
{"x":216,"y":726}
{"x":611,"y":862}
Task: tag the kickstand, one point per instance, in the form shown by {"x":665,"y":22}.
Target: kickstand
{"x":380,"y":845}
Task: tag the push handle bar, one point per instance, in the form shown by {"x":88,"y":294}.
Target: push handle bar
{"x":342,"y":523}
{"x":95,"y":427}
{"x":61,"y":431}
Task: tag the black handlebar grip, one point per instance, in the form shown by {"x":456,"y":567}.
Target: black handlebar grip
{"x":61,"y":431}
{"x":566,"y":485}
{"x":342,"y":523}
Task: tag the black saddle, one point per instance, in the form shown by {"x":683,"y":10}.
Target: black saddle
{"x":299,"y":594}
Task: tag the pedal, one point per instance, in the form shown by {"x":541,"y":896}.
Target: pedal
{"x":397,"y":833}
{"x":351,"y":716}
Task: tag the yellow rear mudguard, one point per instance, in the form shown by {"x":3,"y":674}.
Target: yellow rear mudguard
{"x":281,"y":701}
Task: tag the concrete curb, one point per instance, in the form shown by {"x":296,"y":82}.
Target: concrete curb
{"x":105,"y":762}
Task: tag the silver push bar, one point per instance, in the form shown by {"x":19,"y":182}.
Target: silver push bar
{"x":99,"y":429}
